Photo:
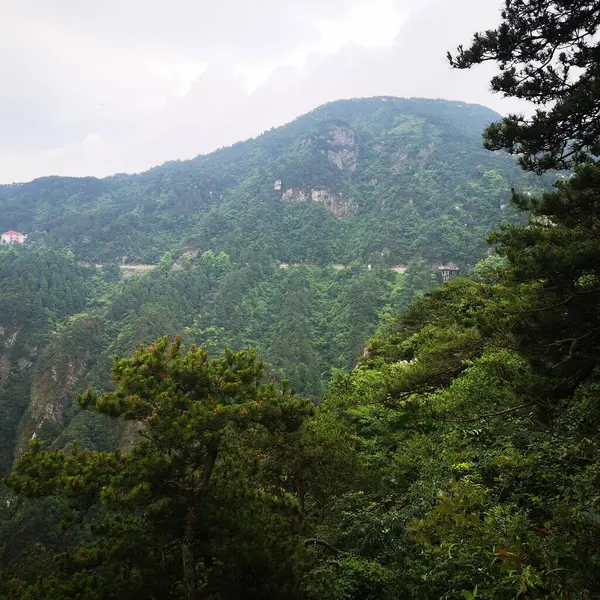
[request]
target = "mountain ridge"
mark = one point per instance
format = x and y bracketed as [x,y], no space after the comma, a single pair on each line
[376,182]
[359,159]
[298,119]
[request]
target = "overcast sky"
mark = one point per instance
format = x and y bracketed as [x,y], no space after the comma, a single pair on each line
[94,87]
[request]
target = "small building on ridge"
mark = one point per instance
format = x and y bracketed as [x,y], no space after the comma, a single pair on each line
[12,237]
[449,271]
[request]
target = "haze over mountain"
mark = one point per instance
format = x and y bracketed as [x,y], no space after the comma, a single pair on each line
[357,179]
[121,87]
[353,357]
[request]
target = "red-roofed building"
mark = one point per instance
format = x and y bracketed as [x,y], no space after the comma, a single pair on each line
[12,237]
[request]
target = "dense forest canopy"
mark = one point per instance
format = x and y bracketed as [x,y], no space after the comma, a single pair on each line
[421,192]
[454,455]
[385,179]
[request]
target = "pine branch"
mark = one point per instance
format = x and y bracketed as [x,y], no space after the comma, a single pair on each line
[494,414]
[324,543]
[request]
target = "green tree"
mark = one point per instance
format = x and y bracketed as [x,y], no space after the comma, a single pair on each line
[292,352]
[547,52]
[166,261]
[190,481]
[554,281]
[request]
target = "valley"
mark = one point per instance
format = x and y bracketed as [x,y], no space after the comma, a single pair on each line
[349,359]
[235,247]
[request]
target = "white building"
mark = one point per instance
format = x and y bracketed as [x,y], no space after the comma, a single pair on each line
[12,237]
[449,271]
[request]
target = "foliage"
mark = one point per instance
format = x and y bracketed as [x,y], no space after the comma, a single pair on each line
[419,184]
[555,274]
[38,289]
[456,457]
[203,425]
[462,483]
[547,52]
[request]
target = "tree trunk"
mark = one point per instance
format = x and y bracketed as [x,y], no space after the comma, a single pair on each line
[187,549]
[209,463]
[187,546]
[300,492]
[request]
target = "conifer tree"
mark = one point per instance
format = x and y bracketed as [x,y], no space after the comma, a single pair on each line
[548,53]
[202,424]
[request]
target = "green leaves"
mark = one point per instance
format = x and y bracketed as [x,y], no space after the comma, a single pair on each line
[462,484]
[193,472]
[547,54]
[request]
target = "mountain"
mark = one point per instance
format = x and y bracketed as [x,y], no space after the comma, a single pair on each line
[352,180]
[365,184]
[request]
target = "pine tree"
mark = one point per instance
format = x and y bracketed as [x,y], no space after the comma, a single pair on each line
[554,281]
[549,54]
[191,480]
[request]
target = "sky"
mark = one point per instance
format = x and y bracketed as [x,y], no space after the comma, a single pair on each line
[106,86]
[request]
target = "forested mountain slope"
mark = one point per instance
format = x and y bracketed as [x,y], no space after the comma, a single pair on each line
[305,322]
[377,182]
[383,178]
[457,457]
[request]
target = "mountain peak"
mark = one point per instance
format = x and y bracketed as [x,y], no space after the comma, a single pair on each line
[355,179]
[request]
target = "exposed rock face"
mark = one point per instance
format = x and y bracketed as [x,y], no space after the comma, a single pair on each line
[338,206]
[24,364]
[277,185]
[343,152]
[8,337]
[4,369]
[343,159]
[342,136]
[399,268]
[190,251]
[60,372]
[52,392]
[425,153]
[293,195]
[11,339]
[404,159]
[319,196]
[401,162]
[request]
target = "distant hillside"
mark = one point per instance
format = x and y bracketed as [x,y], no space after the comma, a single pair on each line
[362,183]
[369,179]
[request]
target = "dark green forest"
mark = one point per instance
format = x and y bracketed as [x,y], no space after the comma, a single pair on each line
[221,427]
[365,184]
[371,180]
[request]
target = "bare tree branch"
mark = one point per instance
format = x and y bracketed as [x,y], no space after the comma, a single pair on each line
[324,543]
[494,414]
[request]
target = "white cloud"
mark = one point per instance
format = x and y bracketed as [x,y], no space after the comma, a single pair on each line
[122,85]
[371,25]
